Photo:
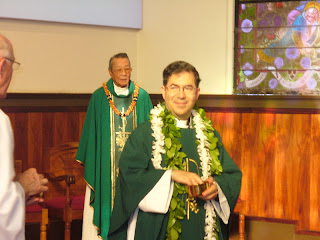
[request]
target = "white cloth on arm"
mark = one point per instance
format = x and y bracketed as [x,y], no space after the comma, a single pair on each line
[89,231]
[156,201]
[222,207]
[159,198]
[12,195]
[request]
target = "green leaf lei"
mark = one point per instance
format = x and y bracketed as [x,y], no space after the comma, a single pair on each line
[174,160]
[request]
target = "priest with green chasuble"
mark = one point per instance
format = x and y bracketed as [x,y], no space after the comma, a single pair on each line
[114,111]
[176,180]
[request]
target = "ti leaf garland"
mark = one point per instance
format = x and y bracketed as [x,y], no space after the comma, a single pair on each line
[161,117]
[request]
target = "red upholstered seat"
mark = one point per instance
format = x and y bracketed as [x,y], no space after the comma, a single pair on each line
[77,202]
[34,208]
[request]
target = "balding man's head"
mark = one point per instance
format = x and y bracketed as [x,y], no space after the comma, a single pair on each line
[5,48]
[6,61]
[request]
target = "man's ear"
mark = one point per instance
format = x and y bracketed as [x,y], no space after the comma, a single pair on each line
[110,71]
[163,92]
[198,93]
[2,65]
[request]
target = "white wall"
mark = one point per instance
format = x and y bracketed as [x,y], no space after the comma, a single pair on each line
[66,58]
[199,32]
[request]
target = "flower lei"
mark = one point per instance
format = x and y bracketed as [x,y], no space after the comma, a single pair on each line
[132,105]
[166,135]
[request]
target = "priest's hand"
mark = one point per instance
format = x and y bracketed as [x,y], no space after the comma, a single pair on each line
[33,184]
[186,178]
[212,192]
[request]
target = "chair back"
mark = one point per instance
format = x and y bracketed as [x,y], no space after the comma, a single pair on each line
[60,160]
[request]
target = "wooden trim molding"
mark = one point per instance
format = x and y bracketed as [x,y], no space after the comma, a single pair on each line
[255,103]
[44,102]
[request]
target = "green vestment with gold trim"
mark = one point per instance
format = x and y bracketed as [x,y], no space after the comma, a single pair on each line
[103,136]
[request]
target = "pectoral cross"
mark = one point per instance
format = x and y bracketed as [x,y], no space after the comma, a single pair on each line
[122,135]
[194,191]
[191,201]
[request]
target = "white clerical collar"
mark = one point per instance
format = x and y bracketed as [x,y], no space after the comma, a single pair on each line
[121,91]
[183,123]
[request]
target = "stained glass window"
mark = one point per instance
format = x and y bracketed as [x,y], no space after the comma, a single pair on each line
[277,47]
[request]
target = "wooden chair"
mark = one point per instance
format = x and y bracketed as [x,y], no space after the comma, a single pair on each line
[35,213]
[239,209]
[65,197]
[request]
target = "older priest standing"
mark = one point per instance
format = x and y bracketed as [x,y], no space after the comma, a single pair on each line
[176,179]
[114,111]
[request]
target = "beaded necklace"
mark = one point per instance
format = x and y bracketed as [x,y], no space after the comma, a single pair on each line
[132,105]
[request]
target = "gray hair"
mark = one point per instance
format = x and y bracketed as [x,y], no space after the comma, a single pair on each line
[118,55]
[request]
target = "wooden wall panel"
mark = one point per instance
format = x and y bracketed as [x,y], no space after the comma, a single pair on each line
[82,116]
[257,162]
[227,124]
[61,128]
[35,143]
[292,165]
[314,210]
[36,131]
[279,156]
[20,129]
[48,131]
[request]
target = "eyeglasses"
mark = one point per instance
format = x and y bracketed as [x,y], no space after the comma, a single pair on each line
[174,89]
[120,70]
[15,65]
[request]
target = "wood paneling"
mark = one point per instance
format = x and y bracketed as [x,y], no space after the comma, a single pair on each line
[279,156]
[314,209]
[275,146]
[257,134]
[36,131]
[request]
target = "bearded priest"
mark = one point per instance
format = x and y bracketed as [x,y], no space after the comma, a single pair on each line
[176,180]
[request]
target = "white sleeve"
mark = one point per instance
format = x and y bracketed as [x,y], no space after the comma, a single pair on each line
[159,198]
[222,207]
[157,201]
[12,196]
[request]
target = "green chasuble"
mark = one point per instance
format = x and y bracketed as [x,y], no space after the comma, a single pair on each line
[102,140]
[138,176]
